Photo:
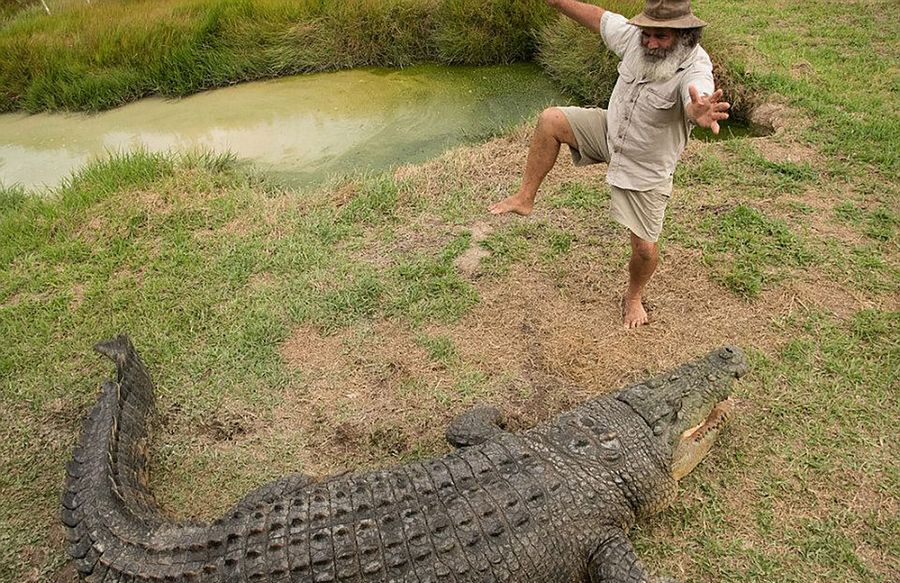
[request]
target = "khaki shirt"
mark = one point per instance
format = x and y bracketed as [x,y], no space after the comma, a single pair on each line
[647,125]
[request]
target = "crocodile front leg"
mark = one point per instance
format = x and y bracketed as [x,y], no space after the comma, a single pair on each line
[475,426]
[614,561]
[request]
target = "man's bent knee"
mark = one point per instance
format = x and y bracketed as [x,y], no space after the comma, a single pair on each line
[554,123]
[643,249]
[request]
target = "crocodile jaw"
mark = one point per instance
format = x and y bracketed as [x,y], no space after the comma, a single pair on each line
[695,443]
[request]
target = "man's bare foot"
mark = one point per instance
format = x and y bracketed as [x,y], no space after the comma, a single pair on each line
[634,313]
[513,204]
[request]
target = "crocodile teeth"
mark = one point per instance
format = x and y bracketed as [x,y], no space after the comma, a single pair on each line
[716,419]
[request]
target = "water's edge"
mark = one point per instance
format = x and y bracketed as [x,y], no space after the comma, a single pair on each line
[301,128]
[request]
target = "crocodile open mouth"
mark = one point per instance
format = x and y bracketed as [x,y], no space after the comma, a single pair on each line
[695,442]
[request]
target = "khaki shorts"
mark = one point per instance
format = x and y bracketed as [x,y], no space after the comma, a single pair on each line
[641,211]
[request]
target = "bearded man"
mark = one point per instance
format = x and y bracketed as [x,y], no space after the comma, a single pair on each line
[665,87]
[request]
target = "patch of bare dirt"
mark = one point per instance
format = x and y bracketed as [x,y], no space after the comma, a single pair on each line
[779,149]
[538,331]
[365,395]
[231,421]
[469,263]
[802,70]
[92,230]
[12,301]
[777,116]
[238,227]
[77,296]
[307,350]
[344,193]
[261,280]
[154,202]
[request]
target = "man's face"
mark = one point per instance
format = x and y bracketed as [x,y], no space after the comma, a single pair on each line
[658,42]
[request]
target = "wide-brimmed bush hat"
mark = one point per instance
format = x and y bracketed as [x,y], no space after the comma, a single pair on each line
[667,14]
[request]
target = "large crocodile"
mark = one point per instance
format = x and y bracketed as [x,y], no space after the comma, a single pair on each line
[550,504]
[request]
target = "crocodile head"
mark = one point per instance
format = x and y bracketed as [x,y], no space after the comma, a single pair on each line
[687,409]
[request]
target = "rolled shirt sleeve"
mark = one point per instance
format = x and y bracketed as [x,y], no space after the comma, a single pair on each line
[699,74]
[616,32]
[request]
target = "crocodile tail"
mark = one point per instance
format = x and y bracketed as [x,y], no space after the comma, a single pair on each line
[107,507]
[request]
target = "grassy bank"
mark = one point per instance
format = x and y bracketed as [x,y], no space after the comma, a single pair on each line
[90,56]
[341,328]
[94,56]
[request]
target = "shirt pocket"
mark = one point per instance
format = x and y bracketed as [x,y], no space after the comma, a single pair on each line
[658,109]
[658,100]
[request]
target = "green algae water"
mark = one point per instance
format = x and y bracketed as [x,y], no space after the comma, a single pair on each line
[302,129]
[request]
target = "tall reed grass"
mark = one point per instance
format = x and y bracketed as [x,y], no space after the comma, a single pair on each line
[103,53]
[99,55]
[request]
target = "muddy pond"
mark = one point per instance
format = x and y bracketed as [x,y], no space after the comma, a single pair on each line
[301,129]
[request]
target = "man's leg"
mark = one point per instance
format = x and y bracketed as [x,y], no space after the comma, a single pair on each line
[644,256]
[552,131]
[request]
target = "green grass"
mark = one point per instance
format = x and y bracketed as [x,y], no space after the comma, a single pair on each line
[430,288]
[440,348]
[578,196]
[748,251]
[832,60]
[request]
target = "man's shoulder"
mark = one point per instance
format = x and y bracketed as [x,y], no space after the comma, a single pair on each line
[698,64]
[701,60]
[616,31]
[611,18]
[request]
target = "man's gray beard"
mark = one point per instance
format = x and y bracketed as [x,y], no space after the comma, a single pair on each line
[656,69]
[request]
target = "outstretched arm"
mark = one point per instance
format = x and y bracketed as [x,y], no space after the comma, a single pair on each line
[706,110]
[587,15]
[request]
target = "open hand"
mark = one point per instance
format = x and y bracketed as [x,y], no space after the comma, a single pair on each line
[707,110]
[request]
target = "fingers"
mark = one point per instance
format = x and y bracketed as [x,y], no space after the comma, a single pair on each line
[712,100]
[695,95]
[714,126]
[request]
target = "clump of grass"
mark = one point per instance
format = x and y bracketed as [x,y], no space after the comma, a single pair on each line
[430,288]
[343,35]
[488,31]
[879,224]
[751,168]
[10,7]
[579,196]
[27,225]
[578,61]
[360,297]
[12,197]
[507,247]
[882,224]
[747,250]
[559,243]
[375,202]
[848,212]
[707,170]
[864,266]
[440,349]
